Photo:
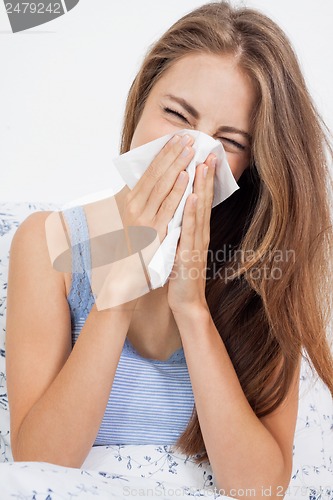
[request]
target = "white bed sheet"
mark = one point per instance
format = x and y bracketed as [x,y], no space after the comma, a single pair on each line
[123,471]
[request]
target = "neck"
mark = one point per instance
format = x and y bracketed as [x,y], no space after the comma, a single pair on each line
[153,323]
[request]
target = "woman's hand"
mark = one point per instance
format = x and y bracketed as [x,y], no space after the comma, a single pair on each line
[154,199]
[186,286]
[150,204]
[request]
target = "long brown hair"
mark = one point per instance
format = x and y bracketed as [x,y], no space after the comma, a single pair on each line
[270,255]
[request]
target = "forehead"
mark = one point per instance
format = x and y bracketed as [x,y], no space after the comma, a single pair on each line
[213,84]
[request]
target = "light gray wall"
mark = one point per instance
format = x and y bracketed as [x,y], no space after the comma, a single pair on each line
[63,86]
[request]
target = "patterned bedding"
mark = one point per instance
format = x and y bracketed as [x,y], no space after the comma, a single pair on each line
[149,470]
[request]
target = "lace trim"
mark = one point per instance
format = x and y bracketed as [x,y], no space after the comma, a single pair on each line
[177,357]
[80,297]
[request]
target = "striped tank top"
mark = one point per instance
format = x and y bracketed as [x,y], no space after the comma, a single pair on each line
[151,401]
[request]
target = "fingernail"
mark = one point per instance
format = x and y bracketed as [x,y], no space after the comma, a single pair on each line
[214,162]
[205,170]
[175,139]
[181,177]
[185,140]
[185,152]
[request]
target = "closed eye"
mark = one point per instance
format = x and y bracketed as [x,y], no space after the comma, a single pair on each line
[230,141]
[173,112]
[234,143]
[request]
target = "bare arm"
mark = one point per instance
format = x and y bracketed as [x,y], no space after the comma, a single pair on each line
[57,396]
[246,453]
[54,416]
[250,456]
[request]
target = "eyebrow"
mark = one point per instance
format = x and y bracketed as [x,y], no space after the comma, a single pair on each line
[192,111]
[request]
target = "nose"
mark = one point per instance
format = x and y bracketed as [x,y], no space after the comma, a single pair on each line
[205,128]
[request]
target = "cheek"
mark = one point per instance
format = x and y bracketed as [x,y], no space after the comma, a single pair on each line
[142,134]
[153,126]
[149,128]
[237,163]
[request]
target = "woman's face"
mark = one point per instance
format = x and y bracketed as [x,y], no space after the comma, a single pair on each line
[217,99]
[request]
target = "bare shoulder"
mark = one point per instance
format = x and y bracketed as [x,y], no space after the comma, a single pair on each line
[31,233]
[31,250]
[32,280]
[34,222]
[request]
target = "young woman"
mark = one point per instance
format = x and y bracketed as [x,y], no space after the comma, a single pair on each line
[209,363]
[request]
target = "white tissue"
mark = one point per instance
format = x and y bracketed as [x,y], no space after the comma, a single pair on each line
[131,166]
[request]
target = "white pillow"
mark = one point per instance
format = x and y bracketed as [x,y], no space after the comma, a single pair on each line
[313,444]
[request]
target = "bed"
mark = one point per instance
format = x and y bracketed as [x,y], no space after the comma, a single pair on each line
[156,471]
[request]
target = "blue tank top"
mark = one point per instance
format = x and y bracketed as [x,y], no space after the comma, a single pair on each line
[151,401]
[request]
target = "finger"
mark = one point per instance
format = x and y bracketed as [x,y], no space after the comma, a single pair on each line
[199,188]
[210,179]
[171,202]
[165,185]
[186,242]
[162,162]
